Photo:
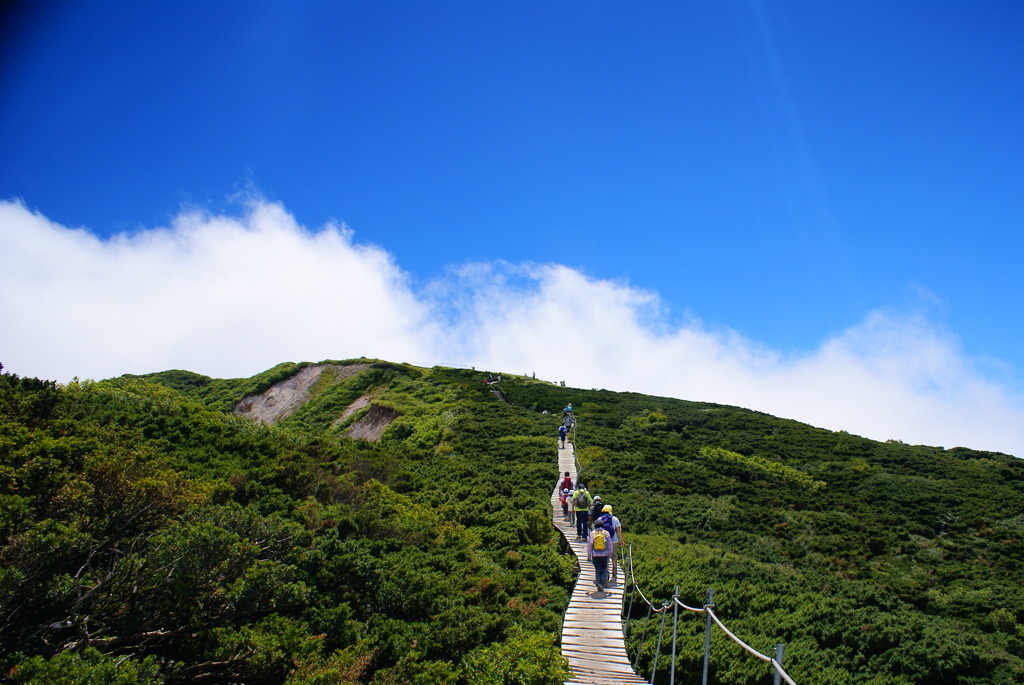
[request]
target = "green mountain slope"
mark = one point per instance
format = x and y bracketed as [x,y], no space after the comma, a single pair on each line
[150,537]
[149,534]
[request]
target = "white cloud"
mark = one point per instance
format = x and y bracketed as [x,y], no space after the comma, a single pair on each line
[232,296]
[217,295]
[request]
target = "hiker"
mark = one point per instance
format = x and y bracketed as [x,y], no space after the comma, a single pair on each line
[596,509]
[564,499]
[599,551]
[567,481]
[582,502]
[609,522]
[562,430]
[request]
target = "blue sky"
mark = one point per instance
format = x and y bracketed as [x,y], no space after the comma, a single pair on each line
[767,180]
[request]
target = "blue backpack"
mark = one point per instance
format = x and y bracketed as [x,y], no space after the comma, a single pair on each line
[605,521]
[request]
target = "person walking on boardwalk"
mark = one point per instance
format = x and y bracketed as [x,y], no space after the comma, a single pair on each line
[567,487]
[582,501]
[562,431]
[611,523]
[596,509]
[564,499]
[599,551]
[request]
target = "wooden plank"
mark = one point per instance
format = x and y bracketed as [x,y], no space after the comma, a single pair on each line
[582,638]
[607,607]
[584,678]
[593,671]
[591,617]
[608,613]
[607,662]
[578,625]
[600,647]
[590,678]
[577,630]
[614,663]
[609,599]
[598,621]
[612,655]
[597,666]
[580,633]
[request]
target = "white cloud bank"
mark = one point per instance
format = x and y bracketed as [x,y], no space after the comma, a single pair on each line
[233,296]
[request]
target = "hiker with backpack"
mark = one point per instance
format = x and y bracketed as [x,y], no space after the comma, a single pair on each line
[611,524]
[562,431]
[596,509]
[599,551]
[582,501]
[566,481]
[564,499]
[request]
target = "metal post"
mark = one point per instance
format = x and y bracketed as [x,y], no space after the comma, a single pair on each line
[778,660]
[629,611]
[643,636]
[675,623]
[657,650]
[707,640]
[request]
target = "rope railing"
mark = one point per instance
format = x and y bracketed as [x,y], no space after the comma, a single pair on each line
[763,657]
[694,609]
[712,618]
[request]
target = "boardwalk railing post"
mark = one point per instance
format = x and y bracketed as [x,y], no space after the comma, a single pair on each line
[675,623]
[778,660]
[643,636]
[661,631]
[707,640]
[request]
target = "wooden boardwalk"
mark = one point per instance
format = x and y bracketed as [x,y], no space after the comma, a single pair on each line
[592,637]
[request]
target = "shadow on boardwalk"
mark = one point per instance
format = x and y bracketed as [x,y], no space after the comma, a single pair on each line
[592,637]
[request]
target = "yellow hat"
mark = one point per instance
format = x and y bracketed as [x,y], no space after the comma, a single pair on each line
[607,509]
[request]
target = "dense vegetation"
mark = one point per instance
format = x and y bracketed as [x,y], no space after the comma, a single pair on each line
[147,535]
[872,562]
